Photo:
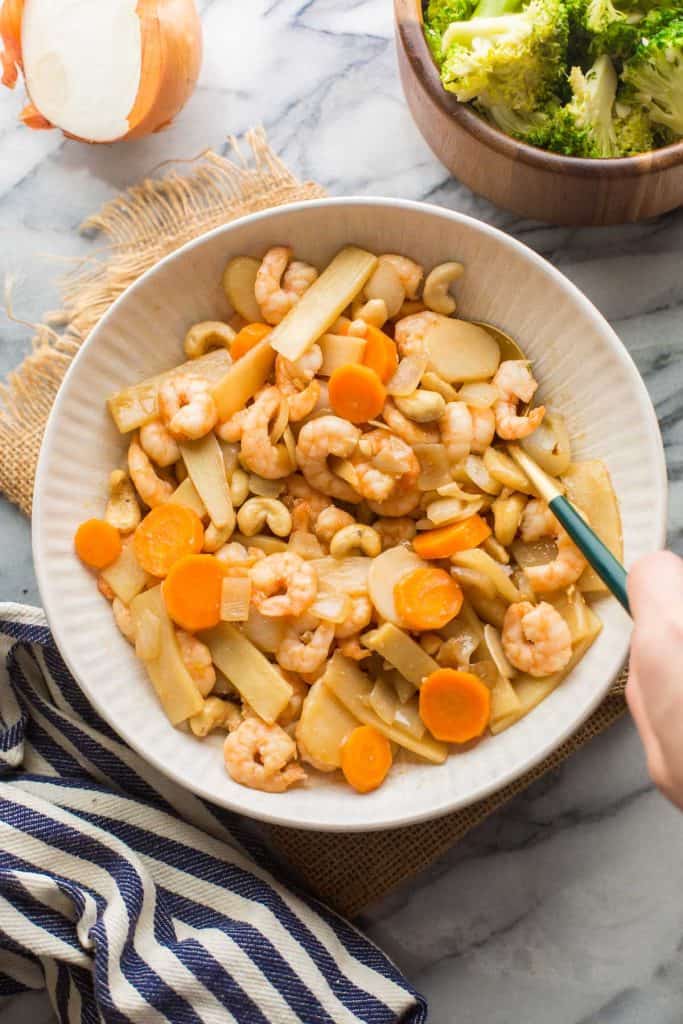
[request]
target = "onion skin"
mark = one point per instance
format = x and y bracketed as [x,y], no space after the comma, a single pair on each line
[171,61]
[10,32]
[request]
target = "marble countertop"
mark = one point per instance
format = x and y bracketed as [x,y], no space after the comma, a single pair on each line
[565,906]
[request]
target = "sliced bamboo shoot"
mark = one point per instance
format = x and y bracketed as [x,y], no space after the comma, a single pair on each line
[174,685]
[383,700]
[323,727]
[589,488]
[234,389]
[408,717]
[323,303]
[478,559]
[263,541]
[126,577]
[204,462]
[352,687]
[137,405]
[401,651]
[504,701]
[257,680]
[186,494]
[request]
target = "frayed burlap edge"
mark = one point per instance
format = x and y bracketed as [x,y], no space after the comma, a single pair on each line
[140,227]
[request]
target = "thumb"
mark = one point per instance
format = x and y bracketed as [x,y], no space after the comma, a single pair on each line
[655,586]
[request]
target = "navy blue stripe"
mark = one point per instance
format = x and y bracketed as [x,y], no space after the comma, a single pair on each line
[100,937]
[230,876]
[220,982]
[25,633]
[148,982]
[61,992]
[73,694]
[11,987]
[38,912]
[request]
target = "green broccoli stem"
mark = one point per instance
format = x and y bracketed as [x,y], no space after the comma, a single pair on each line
[494,8]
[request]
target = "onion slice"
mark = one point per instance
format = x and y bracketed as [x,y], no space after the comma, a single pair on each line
[105,70]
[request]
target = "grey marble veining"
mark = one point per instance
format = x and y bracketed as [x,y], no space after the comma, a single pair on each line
[566,906]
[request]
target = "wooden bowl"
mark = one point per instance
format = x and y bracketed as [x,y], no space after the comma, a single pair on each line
[529,181]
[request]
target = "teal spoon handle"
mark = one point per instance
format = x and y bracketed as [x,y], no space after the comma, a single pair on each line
[608,568]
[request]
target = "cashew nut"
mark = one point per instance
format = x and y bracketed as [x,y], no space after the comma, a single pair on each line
[215,538]
[436,295]
[374,311]
[215,714]
[355,536]
[386,284]
[263,488]
[239,487]
[207,335]
[259,512]
[123,510]
[433,382]
[330,521]
[422,406]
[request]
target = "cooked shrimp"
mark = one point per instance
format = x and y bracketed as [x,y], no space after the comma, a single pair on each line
[357,620]
[516,383]
[292,712]
[187,408]
[279,287]
[404,501]
[258,453]
[536,639]
[395,531]
[457,431]
[104,589]
[350,647]
[231,430]
[234,555]
[565,569]
[318,440]
[330,521]
[151,488]
[410,333]
[284,584]
[298,489]
[407,430]
[262,757]
[123,619]
[295,380]
[384,464]
[483,428]
[197,660]
[409,272]
[157,442]
[307,651]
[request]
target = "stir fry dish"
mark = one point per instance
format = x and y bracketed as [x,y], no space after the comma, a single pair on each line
[319,545]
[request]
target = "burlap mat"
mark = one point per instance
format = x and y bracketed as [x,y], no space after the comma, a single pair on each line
[140,227]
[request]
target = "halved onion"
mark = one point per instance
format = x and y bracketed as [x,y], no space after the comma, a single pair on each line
[331,607]
[407,376]
[105,70]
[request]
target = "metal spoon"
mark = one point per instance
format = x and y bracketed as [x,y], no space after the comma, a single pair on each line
[608,568]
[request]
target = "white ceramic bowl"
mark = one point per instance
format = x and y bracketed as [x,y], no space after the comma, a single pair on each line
[584,370]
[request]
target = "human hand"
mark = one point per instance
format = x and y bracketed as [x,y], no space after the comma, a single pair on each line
[655,685]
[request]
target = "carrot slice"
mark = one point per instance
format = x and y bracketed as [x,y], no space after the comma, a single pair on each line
[167,533]
[380,353]
[365,758]
[427,598]
[455,706]
[356,393]
[247,338]
[97,543]
[192,592]
[448,540]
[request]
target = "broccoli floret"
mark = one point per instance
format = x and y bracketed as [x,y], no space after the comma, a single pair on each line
[633,130]
[532,127]
[585,126]
[653,77]
[513,60]
[438,16]
[610,30]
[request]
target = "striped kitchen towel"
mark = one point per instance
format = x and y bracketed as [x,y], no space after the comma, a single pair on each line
[132,900]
